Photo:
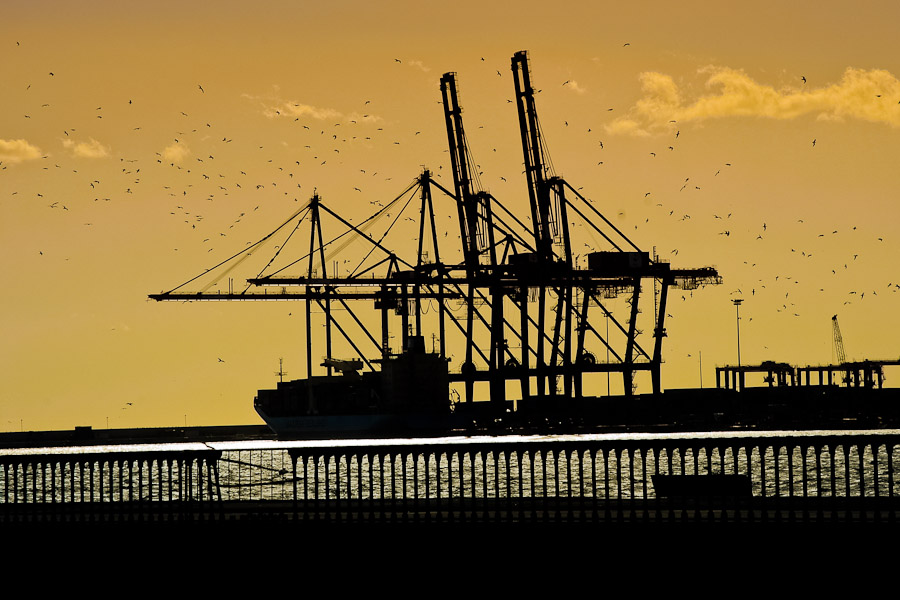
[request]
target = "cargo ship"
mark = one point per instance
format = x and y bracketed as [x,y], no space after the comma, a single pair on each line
[411,396]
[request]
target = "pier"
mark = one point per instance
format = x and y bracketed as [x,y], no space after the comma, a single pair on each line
[746,477]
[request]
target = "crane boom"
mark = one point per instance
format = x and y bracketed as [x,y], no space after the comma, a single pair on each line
[535,169]
[838,341]
[475,215]
[477,234]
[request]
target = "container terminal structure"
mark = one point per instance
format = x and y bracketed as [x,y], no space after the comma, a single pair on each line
[521,306]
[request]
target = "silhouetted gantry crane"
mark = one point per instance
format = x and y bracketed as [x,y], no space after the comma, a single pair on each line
[838,341]
[528,306]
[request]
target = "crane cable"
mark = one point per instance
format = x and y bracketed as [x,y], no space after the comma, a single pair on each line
[248,251]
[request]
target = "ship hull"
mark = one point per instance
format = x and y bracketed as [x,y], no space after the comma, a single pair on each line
[328,426]
[771,408]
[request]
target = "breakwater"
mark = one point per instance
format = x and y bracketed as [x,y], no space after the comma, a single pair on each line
[88,436]
[847,476]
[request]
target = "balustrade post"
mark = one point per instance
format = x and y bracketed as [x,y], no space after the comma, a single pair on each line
[594,490]
[294,504]
[450,502]
[889,449]
[846,451]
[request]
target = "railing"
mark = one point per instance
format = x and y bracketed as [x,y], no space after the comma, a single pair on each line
[592,478]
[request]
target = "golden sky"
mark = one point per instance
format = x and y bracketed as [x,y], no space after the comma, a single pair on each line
[142,143]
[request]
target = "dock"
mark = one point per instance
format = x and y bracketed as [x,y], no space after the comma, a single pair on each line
[88,436]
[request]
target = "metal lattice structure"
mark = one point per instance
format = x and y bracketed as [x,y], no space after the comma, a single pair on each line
[528,308]
[838,341]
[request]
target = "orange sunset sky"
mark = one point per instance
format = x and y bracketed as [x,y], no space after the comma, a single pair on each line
[143,143]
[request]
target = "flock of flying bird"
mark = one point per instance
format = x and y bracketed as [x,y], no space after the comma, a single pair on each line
[190,186]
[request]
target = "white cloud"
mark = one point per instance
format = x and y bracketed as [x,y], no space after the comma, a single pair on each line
[176,152]
[15,151]
[572,85]
[870,95]
[295,110]
[274,107]
[626,127]
[91,149]
[362,118]
[418,64]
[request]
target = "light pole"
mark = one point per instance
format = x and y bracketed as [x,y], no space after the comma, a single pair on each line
[737,308]
[607,353]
